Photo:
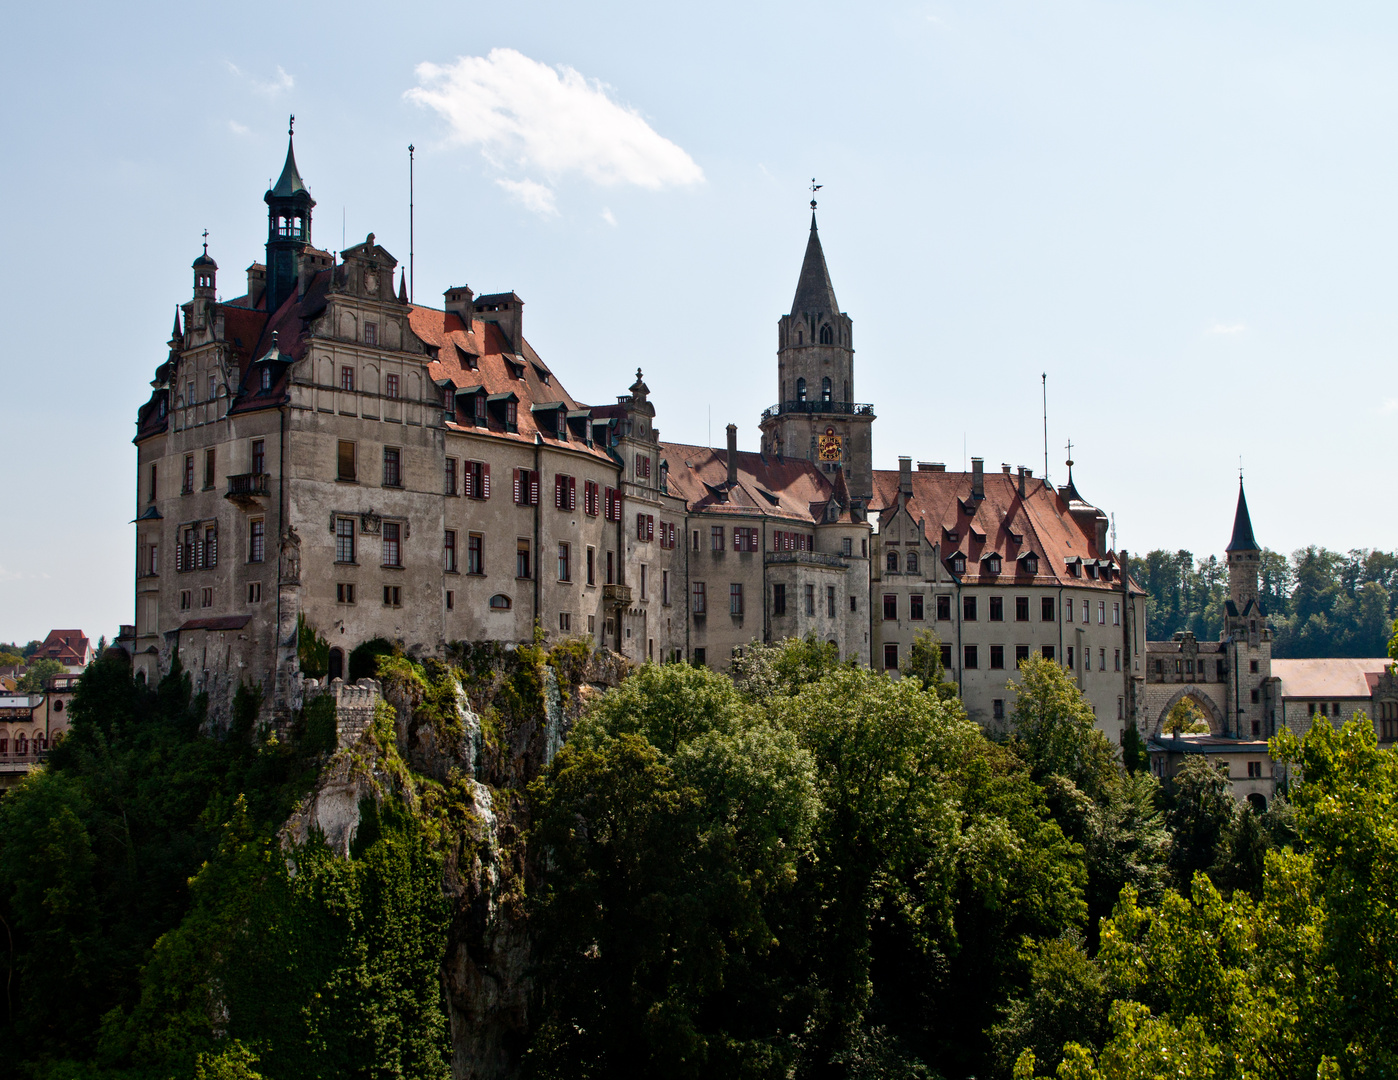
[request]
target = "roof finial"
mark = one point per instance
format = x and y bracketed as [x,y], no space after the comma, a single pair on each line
[1069,462]
[1240,470]
[206,241]
[814,188]
[291,126]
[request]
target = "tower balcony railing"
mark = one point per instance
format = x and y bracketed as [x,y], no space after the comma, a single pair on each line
[817,407]
[248,485]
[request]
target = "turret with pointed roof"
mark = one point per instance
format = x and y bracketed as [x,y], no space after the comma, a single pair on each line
[289,206]
[1243,554]
[816,416]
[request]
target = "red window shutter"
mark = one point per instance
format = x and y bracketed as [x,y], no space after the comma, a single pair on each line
[517,487]
[485,480]
[179,555]
[533,487]
[572,493]
[640,526]
[650,527]
[558,492]
[468,480]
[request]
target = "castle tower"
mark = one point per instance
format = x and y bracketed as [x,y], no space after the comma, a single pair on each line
[288,228]
[816,416]
[1243,554]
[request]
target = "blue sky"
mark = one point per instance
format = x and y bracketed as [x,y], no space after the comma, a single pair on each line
[1182,213]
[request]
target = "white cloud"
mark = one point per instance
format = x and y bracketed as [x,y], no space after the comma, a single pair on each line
[268,88]
[237,128]
[1227,328]
[608,217]
[1390,405]
[525,114]
[534,197]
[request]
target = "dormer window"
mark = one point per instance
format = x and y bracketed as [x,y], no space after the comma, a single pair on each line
[958,563]
[992,564]
[266,378]
[561,424]
[480,409]
[511,416]
[1030,564]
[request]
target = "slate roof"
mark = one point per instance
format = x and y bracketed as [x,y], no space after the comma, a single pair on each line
[1242,526]
[815,294]
[767,486]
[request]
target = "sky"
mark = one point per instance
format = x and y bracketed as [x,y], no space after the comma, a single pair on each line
[1182,214]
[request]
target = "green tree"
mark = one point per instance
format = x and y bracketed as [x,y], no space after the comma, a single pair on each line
[1185,718]
[924,663]
[36,677]
[1200,815]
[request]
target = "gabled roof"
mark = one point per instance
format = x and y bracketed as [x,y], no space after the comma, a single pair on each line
[1242,525]
[1330,677]
[1041,520]
[767,486]
[814,293]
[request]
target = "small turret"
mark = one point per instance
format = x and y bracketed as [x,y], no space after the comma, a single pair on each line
[288,227]
[1243,557]
[205,273]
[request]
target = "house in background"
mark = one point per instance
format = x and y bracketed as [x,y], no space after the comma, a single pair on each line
[70,648]
[1337,688]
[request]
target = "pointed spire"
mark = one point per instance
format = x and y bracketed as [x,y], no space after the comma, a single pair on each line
[814,293]
[290,182]
[176,333]
[402,287]
[1242,525]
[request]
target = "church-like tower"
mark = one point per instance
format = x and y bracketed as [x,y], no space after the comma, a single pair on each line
[816,416]
[1243,555]
[288,228]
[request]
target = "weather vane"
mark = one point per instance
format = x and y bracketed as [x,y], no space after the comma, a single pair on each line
[206,237]
[291,129]
[814,188]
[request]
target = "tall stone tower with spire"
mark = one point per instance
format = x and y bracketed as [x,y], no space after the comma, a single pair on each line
[1243,555]
[816,416]
[288,227]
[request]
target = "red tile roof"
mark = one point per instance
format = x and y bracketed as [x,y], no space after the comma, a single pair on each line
[1041,520]
[65,646]
[767,486]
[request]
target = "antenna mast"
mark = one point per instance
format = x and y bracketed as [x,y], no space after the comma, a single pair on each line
[411,275]
[1044,376]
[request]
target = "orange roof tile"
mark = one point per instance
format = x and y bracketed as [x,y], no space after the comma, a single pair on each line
[767,486]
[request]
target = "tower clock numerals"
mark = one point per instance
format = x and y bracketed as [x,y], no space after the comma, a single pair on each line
[830,446]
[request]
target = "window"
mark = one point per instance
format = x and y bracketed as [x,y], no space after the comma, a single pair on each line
[716,538]
[968,608]
[392,472]
[971,657]
[997,708]
[449,477]
[590,498]
[667,535]
[565,622]
[565,492]
[1021,655]
[810,599]
[1252,666]
[735,598]
[665,587]
[946,657]
[1254,770]
[1101,613]
[206,597]
[745,540]
[208,469]
[800,389]
[475,553]
[1047,652]
[992,564]
[944,609]
[695,545]
[958,564]
[592,566]
[1101,659]
[344,593]
[779,599]
[392,596]
[645,527]
[451,600]
[480,413]
[499,602]
[1116,659]
[188,473]
[522,558]
[910,562]
[1189,666]
[611,579]
[266,378]
[526,487]
[154,489]
[997,657]
[1179,666]
[1159,667]
[475,480]
[825,382]
[347,376]
[997,609]
[449,551]
[392,552]
[891,562]
[1116,614]
[1068,610]
[345,461]
[184,600]
[210,545]
[390,386]
[1021,609]
[1046,608]
[613,505]
[511,416]
[699,658]
[890,657]
[642,466]
[257,540]
[830,601]
[854,603]
[890,606]
[371,333]
[700,605]
[254,592]
[915,607]
[1256,699]
[344,540]
[565,562]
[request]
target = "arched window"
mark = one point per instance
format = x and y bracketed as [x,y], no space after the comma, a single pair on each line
[893,562]
[58,705]
[910,562]
[337,663]
[500,602]
[825,389]
[827,336]
[800,389]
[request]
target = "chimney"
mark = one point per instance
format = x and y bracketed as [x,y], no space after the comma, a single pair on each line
[507,311]
[1021,481]
[257,283]
[732,454]
[905,475]
[977,478]
[458,302]
[1004,468]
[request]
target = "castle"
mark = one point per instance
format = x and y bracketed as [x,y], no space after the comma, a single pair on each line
[320,454]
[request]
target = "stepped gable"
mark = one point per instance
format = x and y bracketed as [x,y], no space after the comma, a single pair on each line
[1041,520]
[767,486]
[453,341]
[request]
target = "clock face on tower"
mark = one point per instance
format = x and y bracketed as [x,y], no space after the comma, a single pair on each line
[830,446]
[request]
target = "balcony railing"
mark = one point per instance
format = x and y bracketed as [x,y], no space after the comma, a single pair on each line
[248,485]
[820,408]
[806,558]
